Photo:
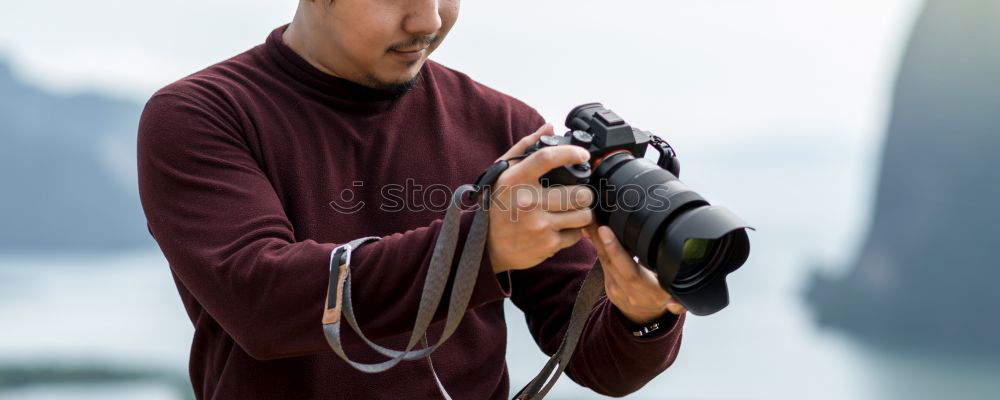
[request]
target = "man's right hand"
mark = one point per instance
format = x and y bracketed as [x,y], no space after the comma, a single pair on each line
[530,223]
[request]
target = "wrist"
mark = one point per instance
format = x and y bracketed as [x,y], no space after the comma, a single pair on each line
[648,329]
[498,266]
[640,318]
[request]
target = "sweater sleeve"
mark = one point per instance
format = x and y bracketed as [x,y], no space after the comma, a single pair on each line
[609,359]
[226,236]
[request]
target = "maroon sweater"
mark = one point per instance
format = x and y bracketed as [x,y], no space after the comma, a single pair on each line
[243,169]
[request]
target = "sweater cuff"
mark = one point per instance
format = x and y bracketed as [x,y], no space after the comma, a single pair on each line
[669,325]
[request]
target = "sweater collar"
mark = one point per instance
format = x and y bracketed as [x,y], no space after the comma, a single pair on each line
[301,70]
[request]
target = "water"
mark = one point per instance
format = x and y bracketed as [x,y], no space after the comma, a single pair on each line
[132,391]
[114,308]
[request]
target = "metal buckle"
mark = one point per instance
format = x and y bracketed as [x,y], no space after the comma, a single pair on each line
[348,248]
[336,251]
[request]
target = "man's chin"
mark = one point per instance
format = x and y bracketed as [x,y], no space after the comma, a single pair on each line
[397,86]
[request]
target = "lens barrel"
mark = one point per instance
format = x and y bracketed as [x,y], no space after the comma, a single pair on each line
[657,218]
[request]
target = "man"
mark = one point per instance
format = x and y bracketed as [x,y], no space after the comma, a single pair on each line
[243,170]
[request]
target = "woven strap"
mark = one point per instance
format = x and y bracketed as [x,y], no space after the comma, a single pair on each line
[590,291]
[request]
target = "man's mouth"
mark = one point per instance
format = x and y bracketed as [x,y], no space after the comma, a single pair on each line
[413,50]
[409,55]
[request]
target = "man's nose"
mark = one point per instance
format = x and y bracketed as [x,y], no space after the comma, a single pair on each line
[424,18]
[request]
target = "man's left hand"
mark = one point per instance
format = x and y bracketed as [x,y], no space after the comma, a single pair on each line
[630,287]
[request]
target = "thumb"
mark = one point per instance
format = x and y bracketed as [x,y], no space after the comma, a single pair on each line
[522,145]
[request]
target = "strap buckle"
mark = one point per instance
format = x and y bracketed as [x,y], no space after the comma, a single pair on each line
[490,176]
[345,249]
[340,268]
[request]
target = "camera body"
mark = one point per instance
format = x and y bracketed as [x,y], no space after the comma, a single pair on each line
[602,133]
[689,244]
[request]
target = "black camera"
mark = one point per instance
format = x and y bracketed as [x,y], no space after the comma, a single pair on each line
[689,244]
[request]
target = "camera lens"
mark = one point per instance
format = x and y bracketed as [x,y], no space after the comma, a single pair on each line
[695,253]
[690,244]
[700,259]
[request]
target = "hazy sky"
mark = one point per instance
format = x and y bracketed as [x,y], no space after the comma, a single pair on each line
[715,66]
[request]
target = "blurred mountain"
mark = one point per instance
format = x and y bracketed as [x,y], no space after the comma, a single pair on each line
[68,168]
[926,277]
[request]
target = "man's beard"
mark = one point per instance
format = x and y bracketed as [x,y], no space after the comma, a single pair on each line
[397,89]
[394,89]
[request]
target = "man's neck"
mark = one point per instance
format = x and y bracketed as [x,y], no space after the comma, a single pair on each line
[297,38]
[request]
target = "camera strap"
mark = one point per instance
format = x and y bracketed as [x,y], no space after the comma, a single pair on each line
[339,302]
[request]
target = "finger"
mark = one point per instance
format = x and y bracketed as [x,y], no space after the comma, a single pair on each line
[635,286]
[651,284]
[622,262]
[676,308]
[529,170]
[522,145]
[568,238]
[570,219]
[590,232]
[611,272]
[567,198]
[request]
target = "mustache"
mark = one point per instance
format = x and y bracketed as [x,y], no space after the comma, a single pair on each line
[415,42]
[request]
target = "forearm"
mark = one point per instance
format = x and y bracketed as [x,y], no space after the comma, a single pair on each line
[614,362]
[269,294]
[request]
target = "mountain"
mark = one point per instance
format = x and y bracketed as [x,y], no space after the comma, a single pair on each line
[68,170]
[926,276]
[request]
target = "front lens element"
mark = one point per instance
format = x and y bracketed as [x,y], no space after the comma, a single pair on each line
[699,259]
[695,251]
